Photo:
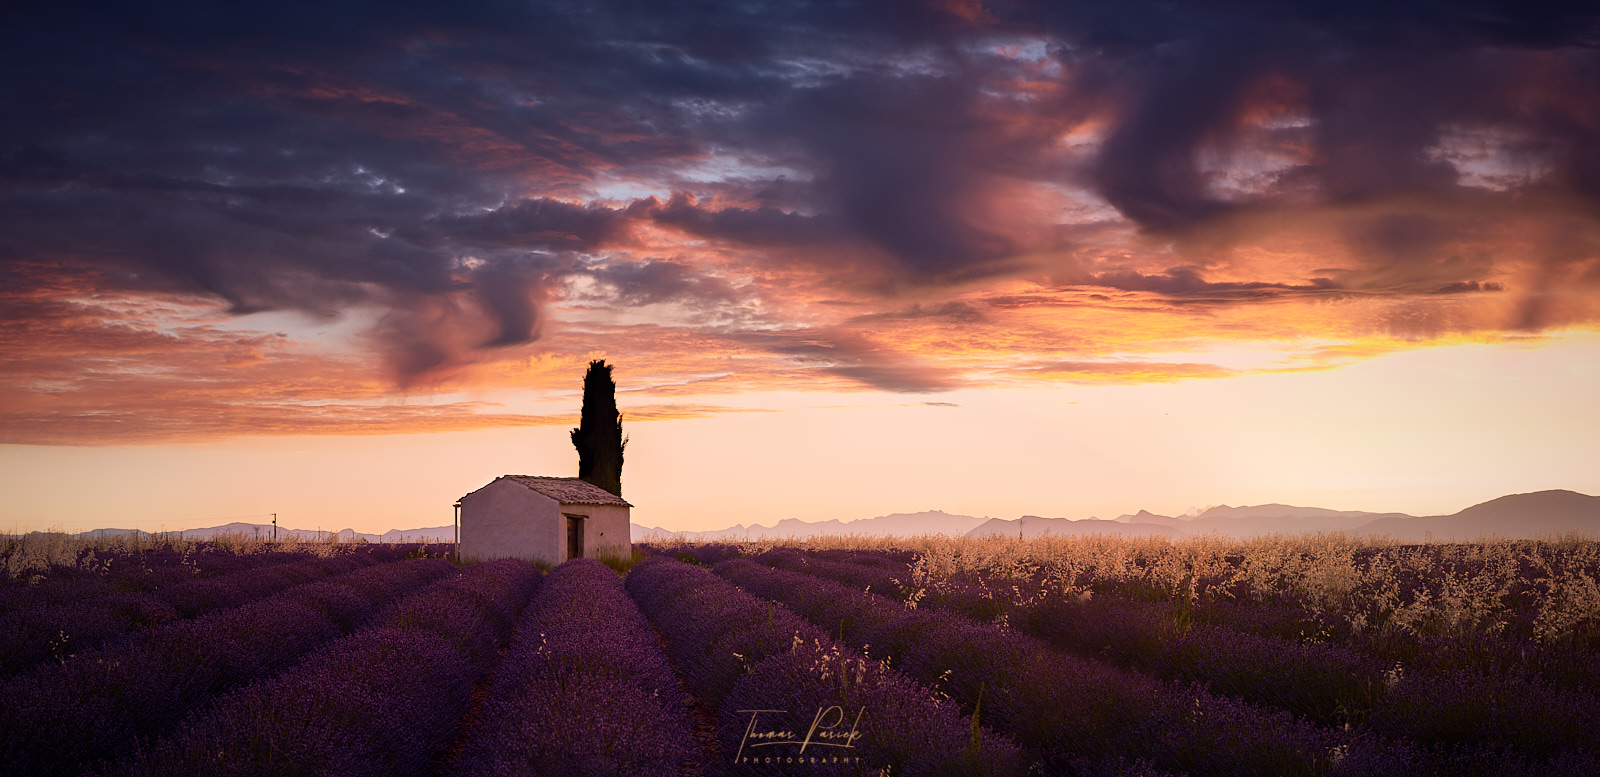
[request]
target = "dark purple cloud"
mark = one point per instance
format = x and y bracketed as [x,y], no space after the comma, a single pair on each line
[958,312]
[441,162]
[1188,283]
[657,280]
[761,226]
[856,358]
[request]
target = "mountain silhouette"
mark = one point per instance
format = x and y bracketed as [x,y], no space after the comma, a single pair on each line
[1514,516]
[1517,516]
[1032,526]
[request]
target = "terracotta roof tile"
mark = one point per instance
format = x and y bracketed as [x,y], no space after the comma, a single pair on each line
[569,491]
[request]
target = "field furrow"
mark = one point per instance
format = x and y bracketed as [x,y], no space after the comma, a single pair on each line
[1074,713]
[1327,684]
[99,705]
[584,689]
[750,658]
[382,701]
[32,635]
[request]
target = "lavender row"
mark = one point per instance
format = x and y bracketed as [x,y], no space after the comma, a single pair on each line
[197,597]
[384,701]
[1569,663]
[1443,607]
[1452,716]
[863,571]
[704,554]
[101,703]
[1071,711]
[159,571]
[1328,684]
[767,671]
[716,631]
[1514,712]
[30,635]
[1427,645]
[1385,614]
[1372,757]
[1502,703]
[583,689]
[98,573]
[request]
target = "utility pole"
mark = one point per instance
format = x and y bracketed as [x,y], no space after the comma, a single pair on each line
[458,532]
[274,528]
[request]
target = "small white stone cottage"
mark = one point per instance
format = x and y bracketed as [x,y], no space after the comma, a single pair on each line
[543,519]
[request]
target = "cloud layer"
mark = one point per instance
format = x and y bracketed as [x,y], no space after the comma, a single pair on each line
[908,197]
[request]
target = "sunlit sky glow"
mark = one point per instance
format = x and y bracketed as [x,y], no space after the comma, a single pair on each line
[347,263]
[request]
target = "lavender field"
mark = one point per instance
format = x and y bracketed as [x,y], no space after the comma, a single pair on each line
[1317,655]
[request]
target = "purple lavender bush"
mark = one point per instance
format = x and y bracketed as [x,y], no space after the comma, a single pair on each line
[1067,709]
[738,650]
[125,570]
[849,619]
[1516,710]
[1328,684]
[584,689]
[100,704]
[198,597]
[716,632]
[1572,662]
[31,635]
[54,632]
[374,703]
[713,552]
[111,573]
[703,554]
[486,598]
[380,702]
[1377,757]
[830,697]
[861,571]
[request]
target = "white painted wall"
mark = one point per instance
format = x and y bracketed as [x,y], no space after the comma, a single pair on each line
[506,519]
[605,530]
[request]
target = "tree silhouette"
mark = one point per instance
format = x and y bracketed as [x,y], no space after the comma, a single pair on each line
[598,437]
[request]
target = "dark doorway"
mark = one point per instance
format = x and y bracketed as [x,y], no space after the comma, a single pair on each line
[574,536]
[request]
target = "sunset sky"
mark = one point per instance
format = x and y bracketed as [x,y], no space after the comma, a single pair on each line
[346,261]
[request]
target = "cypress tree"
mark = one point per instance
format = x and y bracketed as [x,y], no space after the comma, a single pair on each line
[598,437]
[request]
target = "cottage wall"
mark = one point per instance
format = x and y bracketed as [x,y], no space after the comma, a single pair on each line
[506,519]
[606,530]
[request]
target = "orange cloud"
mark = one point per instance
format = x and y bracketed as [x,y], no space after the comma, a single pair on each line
[88,365]
[945,196]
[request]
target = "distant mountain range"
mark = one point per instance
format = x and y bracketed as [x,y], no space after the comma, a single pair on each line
[896,525]
[264,531]
[1516,516]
